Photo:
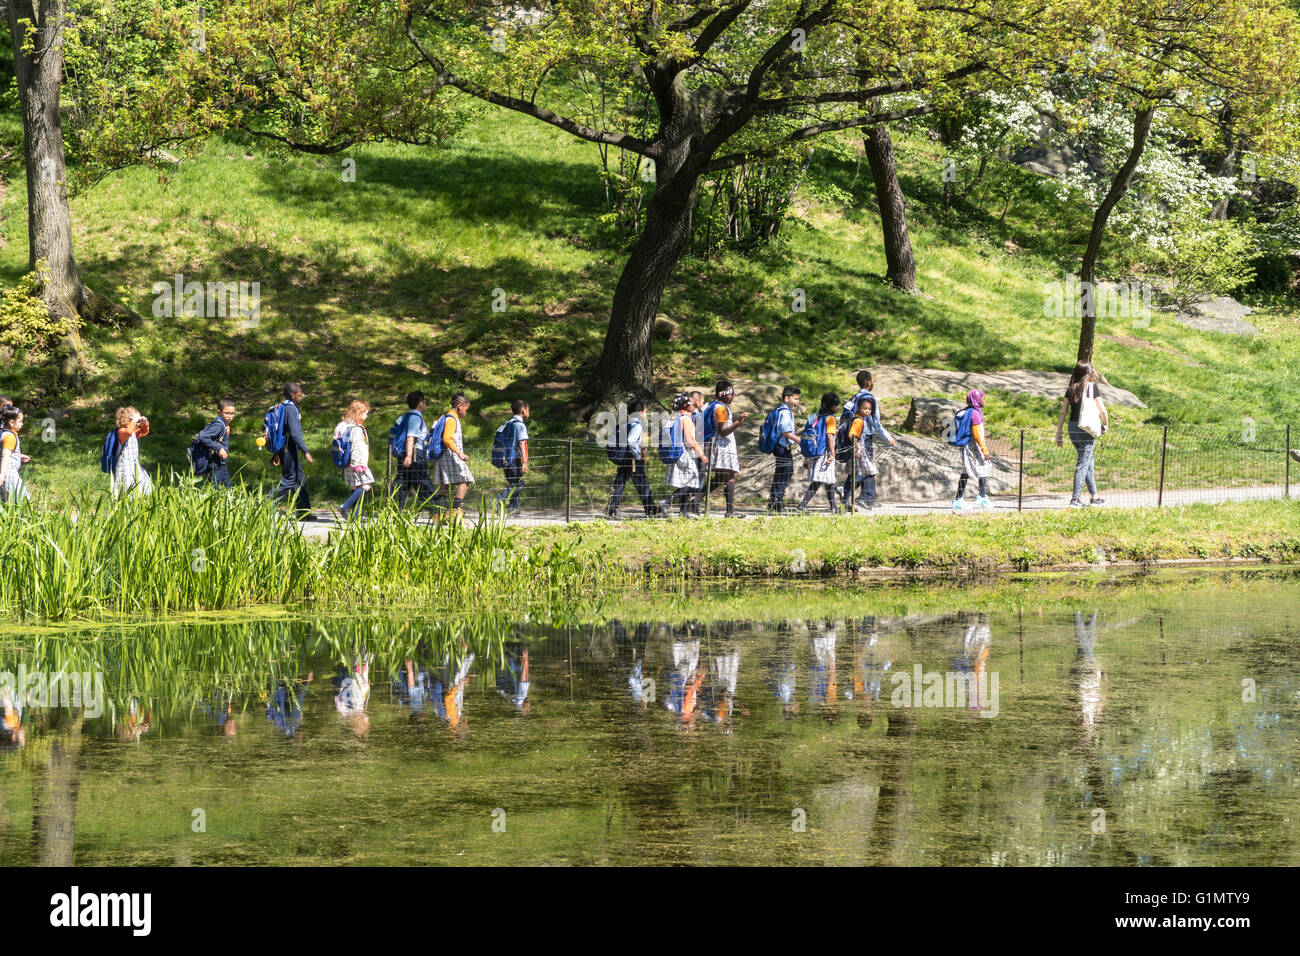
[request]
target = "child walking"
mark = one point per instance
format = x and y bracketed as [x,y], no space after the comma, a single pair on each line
[974,454]
[683,474]
[128,474]
[720,427]
[818,445]
[357,471]
[515,432]
[212,446]
[452,466]
[628,455]
[860,483]
[12,489]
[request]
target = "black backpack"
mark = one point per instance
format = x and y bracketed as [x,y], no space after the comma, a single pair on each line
[843,443]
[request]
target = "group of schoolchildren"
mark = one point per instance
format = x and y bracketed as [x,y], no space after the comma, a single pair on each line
[431,458]
[697,444]
[833,435]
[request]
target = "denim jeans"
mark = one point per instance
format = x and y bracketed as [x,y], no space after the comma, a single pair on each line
[1083,468]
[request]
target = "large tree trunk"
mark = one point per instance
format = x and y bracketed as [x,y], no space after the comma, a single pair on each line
[1088,271]
[39,23]
[899,260]
[625,365]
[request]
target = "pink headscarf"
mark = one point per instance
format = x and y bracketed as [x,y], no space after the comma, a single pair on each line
[975,399]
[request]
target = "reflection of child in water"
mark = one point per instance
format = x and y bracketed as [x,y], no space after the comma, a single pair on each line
[867,678]
[413,686]
[824,688]
[134,722]
[684,681]
[720,696]
[975,654]
[221,711]
[449,691]
[285,709]
[12,732]
[352,693]
[512,679]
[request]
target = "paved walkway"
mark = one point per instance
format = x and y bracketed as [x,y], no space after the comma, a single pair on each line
[1001,503]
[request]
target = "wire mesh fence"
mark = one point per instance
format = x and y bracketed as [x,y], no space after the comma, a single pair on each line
[1145,466]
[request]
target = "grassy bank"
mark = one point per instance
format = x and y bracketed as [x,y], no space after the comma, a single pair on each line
[830,546]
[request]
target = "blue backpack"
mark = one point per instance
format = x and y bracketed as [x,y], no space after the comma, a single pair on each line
[273,428]
[341,449]
[505,445]
[710,422]
[813,442]
[111,452]
[398,433]
[768,435]
[433,447]
[957,431]
[671,444]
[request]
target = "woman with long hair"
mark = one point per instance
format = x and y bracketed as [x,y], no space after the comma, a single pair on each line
[1082,392]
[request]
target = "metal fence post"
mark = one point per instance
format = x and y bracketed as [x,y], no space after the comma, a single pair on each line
[708,473]
[853,476]
[1164,445]
[1287,492]
[1020,475]
[568,486]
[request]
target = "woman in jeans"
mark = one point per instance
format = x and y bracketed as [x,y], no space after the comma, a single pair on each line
[1083,388]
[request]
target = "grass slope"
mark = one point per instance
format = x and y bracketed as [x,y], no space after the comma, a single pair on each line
[373,287]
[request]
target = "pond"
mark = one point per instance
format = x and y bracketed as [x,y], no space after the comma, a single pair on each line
[1110,721]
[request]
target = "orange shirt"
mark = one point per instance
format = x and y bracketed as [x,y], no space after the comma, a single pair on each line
[9,442]
[449,430]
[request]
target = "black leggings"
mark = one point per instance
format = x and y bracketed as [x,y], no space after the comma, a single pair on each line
[961,486]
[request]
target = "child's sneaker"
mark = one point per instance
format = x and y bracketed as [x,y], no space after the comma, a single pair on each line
[1093,502]
[958,504]
[983,503]
[1076,503]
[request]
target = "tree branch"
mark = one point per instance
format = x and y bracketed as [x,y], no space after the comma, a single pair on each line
[855,96]
[445,77]
[737,159]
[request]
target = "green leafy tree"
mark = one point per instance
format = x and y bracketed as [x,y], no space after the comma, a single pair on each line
[1184,59]
[780,72]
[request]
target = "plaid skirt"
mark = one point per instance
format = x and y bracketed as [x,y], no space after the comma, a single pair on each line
[450,470]
[974,464]
[683,473]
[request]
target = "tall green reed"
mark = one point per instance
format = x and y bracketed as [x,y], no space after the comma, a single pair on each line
[188,548]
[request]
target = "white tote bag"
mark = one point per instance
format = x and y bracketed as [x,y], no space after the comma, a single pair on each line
[1089,414]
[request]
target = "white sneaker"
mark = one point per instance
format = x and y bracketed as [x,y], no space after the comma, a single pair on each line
[958,504]
[983,502]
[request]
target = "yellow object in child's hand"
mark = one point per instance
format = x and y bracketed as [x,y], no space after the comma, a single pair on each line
[261,441]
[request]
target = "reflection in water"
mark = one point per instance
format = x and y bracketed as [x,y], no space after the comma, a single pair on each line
[1186,771]
[352,693]
[284,705]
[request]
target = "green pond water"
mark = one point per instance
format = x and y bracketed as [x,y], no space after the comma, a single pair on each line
[1102,722]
